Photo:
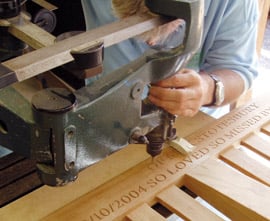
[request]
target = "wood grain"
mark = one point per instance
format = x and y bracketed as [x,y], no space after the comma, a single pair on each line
[144,213]
[257,144]
[184,205]
[32,34]
[247,164]
[236,195]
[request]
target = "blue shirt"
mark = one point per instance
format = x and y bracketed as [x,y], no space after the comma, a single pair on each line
[229,38]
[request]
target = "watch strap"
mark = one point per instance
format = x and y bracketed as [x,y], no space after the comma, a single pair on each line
[218,91]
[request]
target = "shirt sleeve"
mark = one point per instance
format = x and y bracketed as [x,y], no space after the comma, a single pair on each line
[230,41]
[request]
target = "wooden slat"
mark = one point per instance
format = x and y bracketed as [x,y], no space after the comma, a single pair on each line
[44,59]
[16,171]
[32,34]
[248,165]
[17,177]
[186,125]
[264,10]
[258,145]
[19,188]
[144,213]
[45,4]
[9,159]
[266,129]
[236,195]
[185,206]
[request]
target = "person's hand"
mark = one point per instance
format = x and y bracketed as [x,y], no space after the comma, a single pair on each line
[160,34]
[182,94]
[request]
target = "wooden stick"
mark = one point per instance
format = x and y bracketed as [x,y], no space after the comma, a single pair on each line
[32,34]
[47,58]
[45,4]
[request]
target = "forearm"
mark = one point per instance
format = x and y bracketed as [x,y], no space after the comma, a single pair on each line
[233,86]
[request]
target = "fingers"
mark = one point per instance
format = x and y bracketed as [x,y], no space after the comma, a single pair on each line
[183,78]
[180,94]
[186,110]
[187,91]
[176,101]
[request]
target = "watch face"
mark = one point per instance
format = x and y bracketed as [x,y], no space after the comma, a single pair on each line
[219,93]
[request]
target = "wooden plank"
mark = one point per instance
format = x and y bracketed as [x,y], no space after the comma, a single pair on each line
[45,4]
[32,34]
[17,177]
[239,197]
[185,206]
[246,164]
[264,10]
[18,189]
[186,125]
[91,194]
[14,172]
[44,59]
[266,129]
[10,159]
[258,145]
[144,213]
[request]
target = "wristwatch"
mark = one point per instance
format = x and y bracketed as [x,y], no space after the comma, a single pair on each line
[219,90]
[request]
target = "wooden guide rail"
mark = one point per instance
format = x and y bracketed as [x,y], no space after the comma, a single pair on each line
[57,54]
[224,170]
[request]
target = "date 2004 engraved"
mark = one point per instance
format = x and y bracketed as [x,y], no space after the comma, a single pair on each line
[127,198]
[116,204]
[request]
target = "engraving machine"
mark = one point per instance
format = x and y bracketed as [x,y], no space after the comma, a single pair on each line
[66,131]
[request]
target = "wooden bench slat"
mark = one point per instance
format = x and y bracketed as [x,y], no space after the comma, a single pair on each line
[144,213]
[185,206]
[247,164]
[258,145]
[266,129]
[10,159]
[16,171]
[19,188]
[237,196]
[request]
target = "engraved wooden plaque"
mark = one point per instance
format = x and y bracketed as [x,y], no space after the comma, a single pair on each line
[229,169]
